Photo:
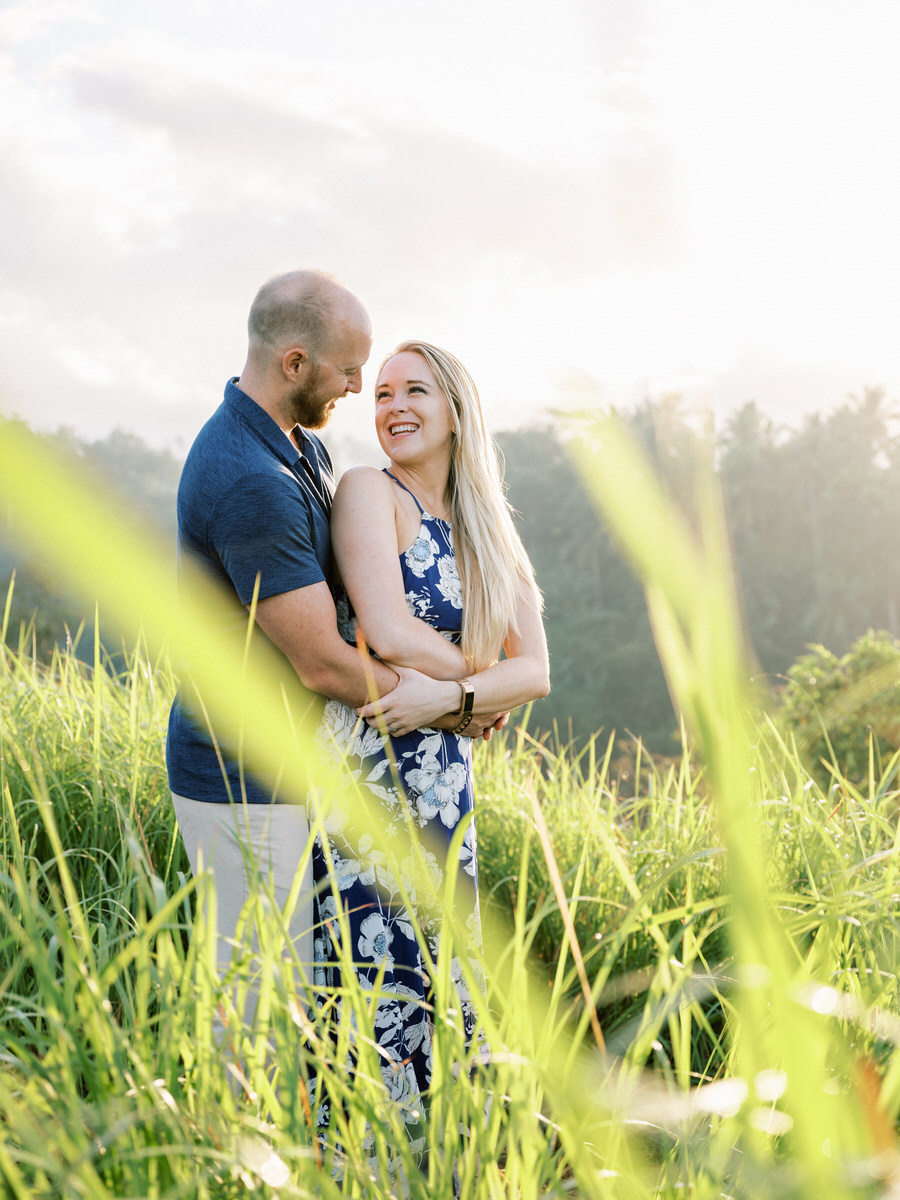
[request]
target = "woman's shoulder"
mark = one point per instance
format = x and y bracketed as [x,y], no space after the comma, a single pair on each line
[363,481]
[363,496]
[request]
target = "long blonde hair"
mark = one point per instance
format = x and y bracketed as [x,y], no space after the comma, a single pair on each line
[493,564]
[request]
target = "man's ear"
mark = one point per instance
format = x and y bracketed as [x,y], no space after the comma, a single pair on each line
[294,361]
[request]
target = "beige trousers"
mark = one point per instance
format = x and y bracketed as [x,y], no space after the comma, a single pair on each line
[245,847]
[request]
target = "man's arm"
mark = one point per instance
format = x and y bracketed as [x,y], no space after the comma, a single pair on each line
[303,625]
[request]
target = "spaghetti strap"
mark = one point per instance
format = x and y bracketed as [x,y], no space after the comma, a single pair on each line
[405,488]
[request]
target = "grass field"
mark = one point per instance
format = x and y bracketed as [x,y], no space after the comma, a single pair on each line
[112,1084]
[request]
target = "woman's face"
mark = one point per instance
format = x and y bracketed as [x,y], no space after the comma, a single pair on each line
[412,414]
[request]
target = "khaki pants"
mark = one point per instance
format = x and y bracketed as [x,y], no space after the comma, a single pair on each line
[243,846]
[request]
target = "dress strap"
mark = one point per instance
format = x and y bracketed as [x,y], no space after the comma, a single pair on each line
[405,488]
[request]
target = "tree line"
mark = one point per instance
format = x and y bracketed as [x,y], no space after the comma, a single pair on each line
[812,513]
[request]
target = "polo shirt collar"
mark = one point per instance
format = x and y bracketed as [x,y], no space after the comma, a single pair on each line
[268,430]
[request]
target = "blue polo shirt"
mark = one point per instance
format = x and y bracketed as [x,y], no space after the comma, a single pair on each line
[248,504]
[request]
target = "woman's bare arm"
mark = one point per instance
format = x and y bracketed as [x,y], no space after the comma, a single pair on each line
[364,537]
[522,676]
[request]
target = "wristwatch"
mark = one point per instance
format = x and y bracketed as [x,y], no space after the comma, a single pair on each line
[466,699]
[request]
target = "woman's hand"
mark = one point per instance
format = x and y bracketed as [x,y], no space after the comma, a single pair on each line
[416,701]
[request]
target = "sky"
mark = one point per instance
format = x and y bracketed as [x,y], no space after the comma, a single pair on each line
[590,202]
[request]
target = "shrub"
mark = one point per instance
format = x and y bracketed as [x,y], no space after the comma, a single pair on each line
[836,707]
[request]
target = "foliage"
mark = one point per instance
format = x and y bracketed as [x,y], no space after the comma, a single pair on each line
[841,711]
[809,511]
[631,854]
[43,608]
[604,667]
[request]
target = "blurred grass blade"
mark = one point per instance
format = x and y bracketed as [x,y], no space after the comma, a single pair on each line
[693,609]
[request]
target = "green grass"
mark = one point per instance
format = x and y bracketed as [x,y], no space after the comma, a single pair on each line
[111,1084]
[692,984]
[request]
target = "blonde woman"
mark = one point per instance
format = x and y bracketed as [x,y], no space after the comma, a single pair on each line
[437,578]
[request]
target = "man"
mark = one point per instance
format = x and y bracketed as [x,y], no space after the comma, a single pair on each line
[253,503]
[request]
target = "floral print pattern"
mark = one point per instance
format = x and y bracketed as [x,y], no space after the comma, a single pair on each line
[448,582]
[419,782]
[419,558]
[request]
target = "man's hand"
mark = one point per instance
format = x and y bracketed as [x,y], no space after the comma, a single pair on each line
[416,701]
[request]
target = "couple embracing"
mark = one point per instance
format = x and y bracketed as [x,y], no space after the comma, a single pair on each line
[431,571]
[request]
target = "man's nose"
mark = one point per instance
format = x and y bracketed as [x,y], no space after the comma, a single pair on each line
[354,383]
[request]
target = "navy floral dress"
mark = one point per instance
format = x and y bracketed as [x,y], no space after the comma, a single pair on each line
[421,784]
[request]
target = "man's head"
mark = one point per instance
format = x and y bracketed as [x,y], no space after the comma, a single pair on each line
[309,340]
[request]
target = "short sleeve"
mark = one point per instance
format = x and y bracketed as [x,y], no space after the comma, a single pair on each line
[265,525]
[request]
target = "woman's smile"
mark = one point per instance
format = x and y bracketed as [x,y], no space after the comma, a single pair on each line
[408,402]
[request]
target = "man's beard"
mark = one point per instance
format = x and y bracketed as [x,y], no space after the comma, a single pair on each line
[310,409]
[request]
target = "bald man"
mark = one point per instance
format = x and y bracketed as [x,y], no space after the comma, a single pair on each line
[254,500]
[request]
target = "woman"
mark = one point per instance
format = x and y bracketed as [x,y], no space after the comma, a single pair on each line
[438,579]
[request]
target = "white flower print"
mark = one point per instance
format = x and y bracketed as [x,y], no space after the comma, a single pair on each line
[449,583]
[331,729]
[388,1020]
[467,858]
[400,1081]
[421,554]
[375,939]
[322,952]
[430,744]
[334,817]
[420,1040]
[438,789]
[342,732]
[423,878]
[338,720]
[405,1003]
[365,742]
[363,867]
[418,603]
[404,927]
